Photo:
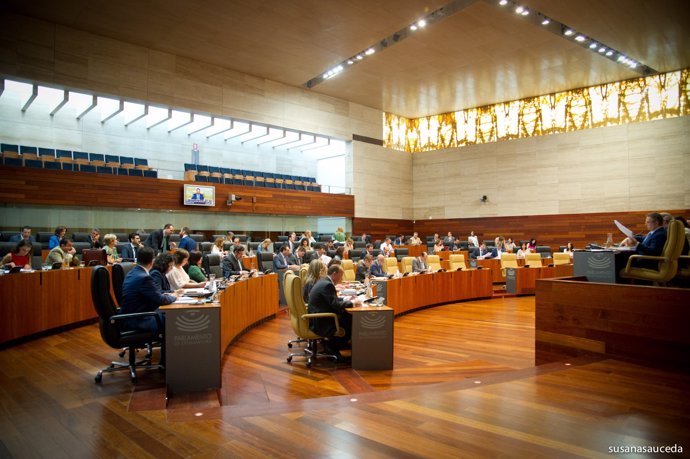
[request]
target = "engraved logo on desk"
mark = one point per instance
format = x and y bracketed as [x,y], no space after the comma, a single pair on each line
[599,261]
[193,328]
[373,320]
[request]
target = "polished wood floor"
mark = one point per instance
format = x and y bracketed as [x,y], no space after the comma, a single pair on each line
[464,385]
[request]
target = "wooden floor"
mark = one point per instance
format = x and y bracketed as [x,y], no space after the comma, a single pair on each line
[464,385]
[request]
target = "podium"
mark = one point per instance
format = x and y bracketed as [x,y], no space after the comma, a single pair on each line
[192,347]
[372,337]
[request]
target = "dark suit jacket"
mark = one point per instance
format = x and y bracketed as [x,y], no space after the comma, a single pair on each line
[155,241]
[160,280]
[140,294]
[279,262]
[18,237]
[231,265]
[128,252]
[362,272]
[294,260]
[377,270]
[418,266]
[323,298]
[187,243]
[652,244]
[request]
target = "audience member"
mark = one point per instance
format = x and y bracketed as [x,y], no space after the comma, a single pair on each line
[297,258]
[499,248]
[324,298]
[20,256]
[414,240]
[438,246]
[339,235]
[419,264]
[483,252]
[186,242]
[162,265]
[532,245]
[472,240]
[196,271]
[568,247]
[129,251]
[24,234]
[653,243]
[363,267]
[292,242]
[316,271]
[307,235]
[280,260]
[217,246]
[95,239]
[110,247]
[63,253]
[232,263]
[55,239]
[140,294]
[364,238]
[159,240]
[368,250]
[349,245]
[522,251]
[339,253]
[306,245]
[449,239]
[321,250]
[376,269]
[177,276]
[386,247]
[400,240]
[509,245]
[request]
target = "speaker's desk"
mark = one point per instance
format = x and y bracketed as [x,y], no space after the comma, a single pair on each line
[372,337]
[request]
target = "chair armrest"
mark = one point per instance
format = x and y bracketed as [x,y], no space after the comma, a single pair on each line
[316,315]
[138,315]
[643,257]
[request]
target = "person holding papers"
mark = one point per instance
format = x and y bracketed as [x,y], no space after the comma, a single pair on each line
[651,244]
[140,293]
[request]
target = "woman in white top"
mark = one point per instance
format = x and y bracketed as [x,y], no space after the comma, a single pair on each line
[218,246]
[438,247]
[473,240]
[177,276]
[509,246]
[523,250]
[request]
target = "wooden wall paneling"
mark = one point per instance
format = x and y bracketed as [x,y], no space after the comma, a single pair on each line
[63,188]
[378,228]
[642,324]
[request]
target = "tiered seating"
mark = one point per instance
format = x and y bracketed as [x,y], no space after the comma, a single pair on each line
[212,174]
[78,161]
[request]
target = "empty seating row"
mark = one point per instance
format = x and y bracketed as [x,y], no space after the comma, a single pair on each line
[72,157]
[212,174]
[52,165]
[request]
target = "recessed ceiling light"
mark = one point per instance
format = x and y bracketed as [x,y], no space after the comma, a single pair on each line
[568,32]
[546,21]
[580,38]
[609,53]
[413,27]
[593,45]
[503,2]
[519,10]
[421,23]
[602,49]
[525,12]
[370,51]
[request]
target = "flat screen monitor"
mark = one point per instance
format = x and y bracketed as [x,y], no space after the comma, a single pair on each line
[199,195]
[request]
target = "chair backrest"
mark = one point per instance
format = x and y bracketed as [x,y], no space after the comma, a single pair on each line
[406,263]
[457,262]
[292,286]
[434,262]
[120,271]
[104,305]
[303,271]
[533,260]
[561,258]
[391,265]
[675,241]
[266,261]
[349,270]
[211,262]
[509,260]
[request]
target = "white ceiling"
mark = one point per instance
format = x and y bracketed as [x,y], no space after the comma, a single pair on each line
[480,55]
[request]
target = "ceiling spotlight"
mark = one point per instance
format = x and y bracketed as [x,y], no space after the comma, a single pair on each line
[593,45]
[370,51]
[421,23]
[359,57]
[602,49]
[413,27]
[546,21]
[350,62]
[568,32]
[525,12]
[503,2]
[580,38]
[609,53]
[519,10]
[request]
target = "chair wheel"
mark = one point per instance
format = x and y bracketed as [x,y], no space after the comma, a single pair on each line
[289,359]
[98,378]
[290,345]
[309,362]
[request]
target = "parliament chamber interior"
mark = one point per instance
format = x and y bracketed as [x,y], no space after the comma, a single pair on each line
[505,167]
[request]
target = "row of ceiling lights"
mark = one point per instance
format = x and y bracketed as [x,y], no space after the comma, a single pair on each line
[32,94]
[583,40]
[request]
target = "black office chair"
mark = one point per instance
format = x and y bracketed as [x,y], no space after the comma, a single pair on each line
[212,264]
[113,330]
[120,271]
[266,261]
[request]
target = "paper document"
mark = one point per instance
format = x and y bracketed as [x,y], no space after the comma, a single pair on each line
[624,229]
[186,300]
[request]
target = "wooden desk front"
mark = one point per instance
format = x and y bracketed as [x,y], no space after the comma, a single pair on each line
[522,281]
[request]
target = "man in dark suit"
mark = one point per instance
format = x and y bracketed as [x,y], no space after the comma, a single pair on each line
[24,234]
[419,264]
[129,251]
[292,242]
[140,294]
[368,250]
[651,244]
[363,238]
[186,242]
[95,239]
[377,267]
[324,298]
[232,264]
[297,258]
[159,240]
[363,268]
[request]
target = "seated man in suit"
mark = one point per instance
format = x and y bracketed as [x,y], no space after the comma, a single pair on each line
[419,264]
[95,239]
[282,261]
[186,242]
[483,253]
[141,294]
[363,268]
[129,251]
[297,258]
[376,269]
[651,244]
[63,253]
[159,240]
[232,263]
[368,250]
[25,234]
[324,298]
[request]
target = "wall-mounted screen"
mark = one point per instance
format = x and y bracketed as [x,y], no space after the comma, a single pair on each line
[199,195]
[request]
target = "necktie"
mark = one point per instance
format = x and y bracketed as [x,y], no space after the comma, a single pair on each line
[165,244]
